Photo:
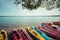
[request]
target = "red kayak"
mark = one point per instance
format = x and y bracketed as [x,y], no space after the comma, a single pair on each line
[24,35]
[51,30]
[51,27]
[57,23]
[49,33]
[16,35]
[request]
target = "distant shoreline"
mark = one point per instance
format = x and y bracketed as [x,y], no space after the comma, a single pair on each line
[34,16]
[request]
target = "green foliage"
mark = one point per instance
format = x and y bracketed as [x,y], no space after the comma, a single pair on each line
[29,4]
[34,4]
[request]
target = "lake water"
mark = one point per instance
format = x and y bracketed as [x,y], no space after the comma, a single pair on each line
[4,21]
[9,23]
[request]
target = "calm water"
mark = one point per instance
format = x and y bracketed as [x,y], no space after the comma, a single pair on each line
[9,23]
[4,21]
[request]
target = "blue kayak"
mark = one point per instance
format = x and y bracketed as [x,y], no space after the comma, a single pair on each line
[41,33]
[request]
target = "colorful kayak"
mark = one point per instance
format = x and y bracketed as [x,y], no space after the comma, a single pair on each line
[49,33]
[1,37]
[50,30]
[34,33]
[24,35]
[33,37]
[41,33]
[16,35]
[57,23]
[48,25]
[4,34]
[57,33]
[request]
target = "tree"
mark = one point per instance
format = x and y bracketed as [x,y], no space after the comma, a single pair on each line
[29,4]
[34,4]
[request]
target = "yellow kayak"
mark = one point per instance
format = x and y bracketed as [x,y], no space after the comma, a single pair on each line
[4,34]
[1,37]
[34,33]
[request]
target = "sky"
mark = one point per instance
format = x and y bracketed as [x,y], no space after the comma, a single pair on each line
[8,8]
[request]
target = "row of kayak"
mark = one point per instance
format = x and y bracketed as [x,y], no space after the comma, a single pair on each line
[31,33]
[46,32]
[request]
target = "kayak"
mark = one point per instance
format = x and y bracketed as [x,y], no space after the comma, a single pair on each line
[50,27]
[28,31]
[16,35]
[52,30]
[4,34]
[49,33]
[34,33]
[41,33]
[57,23]
[24,35]
[1,37]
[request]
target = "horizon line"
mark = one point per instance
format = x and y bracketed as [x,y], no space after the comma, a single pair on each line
[34,16]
